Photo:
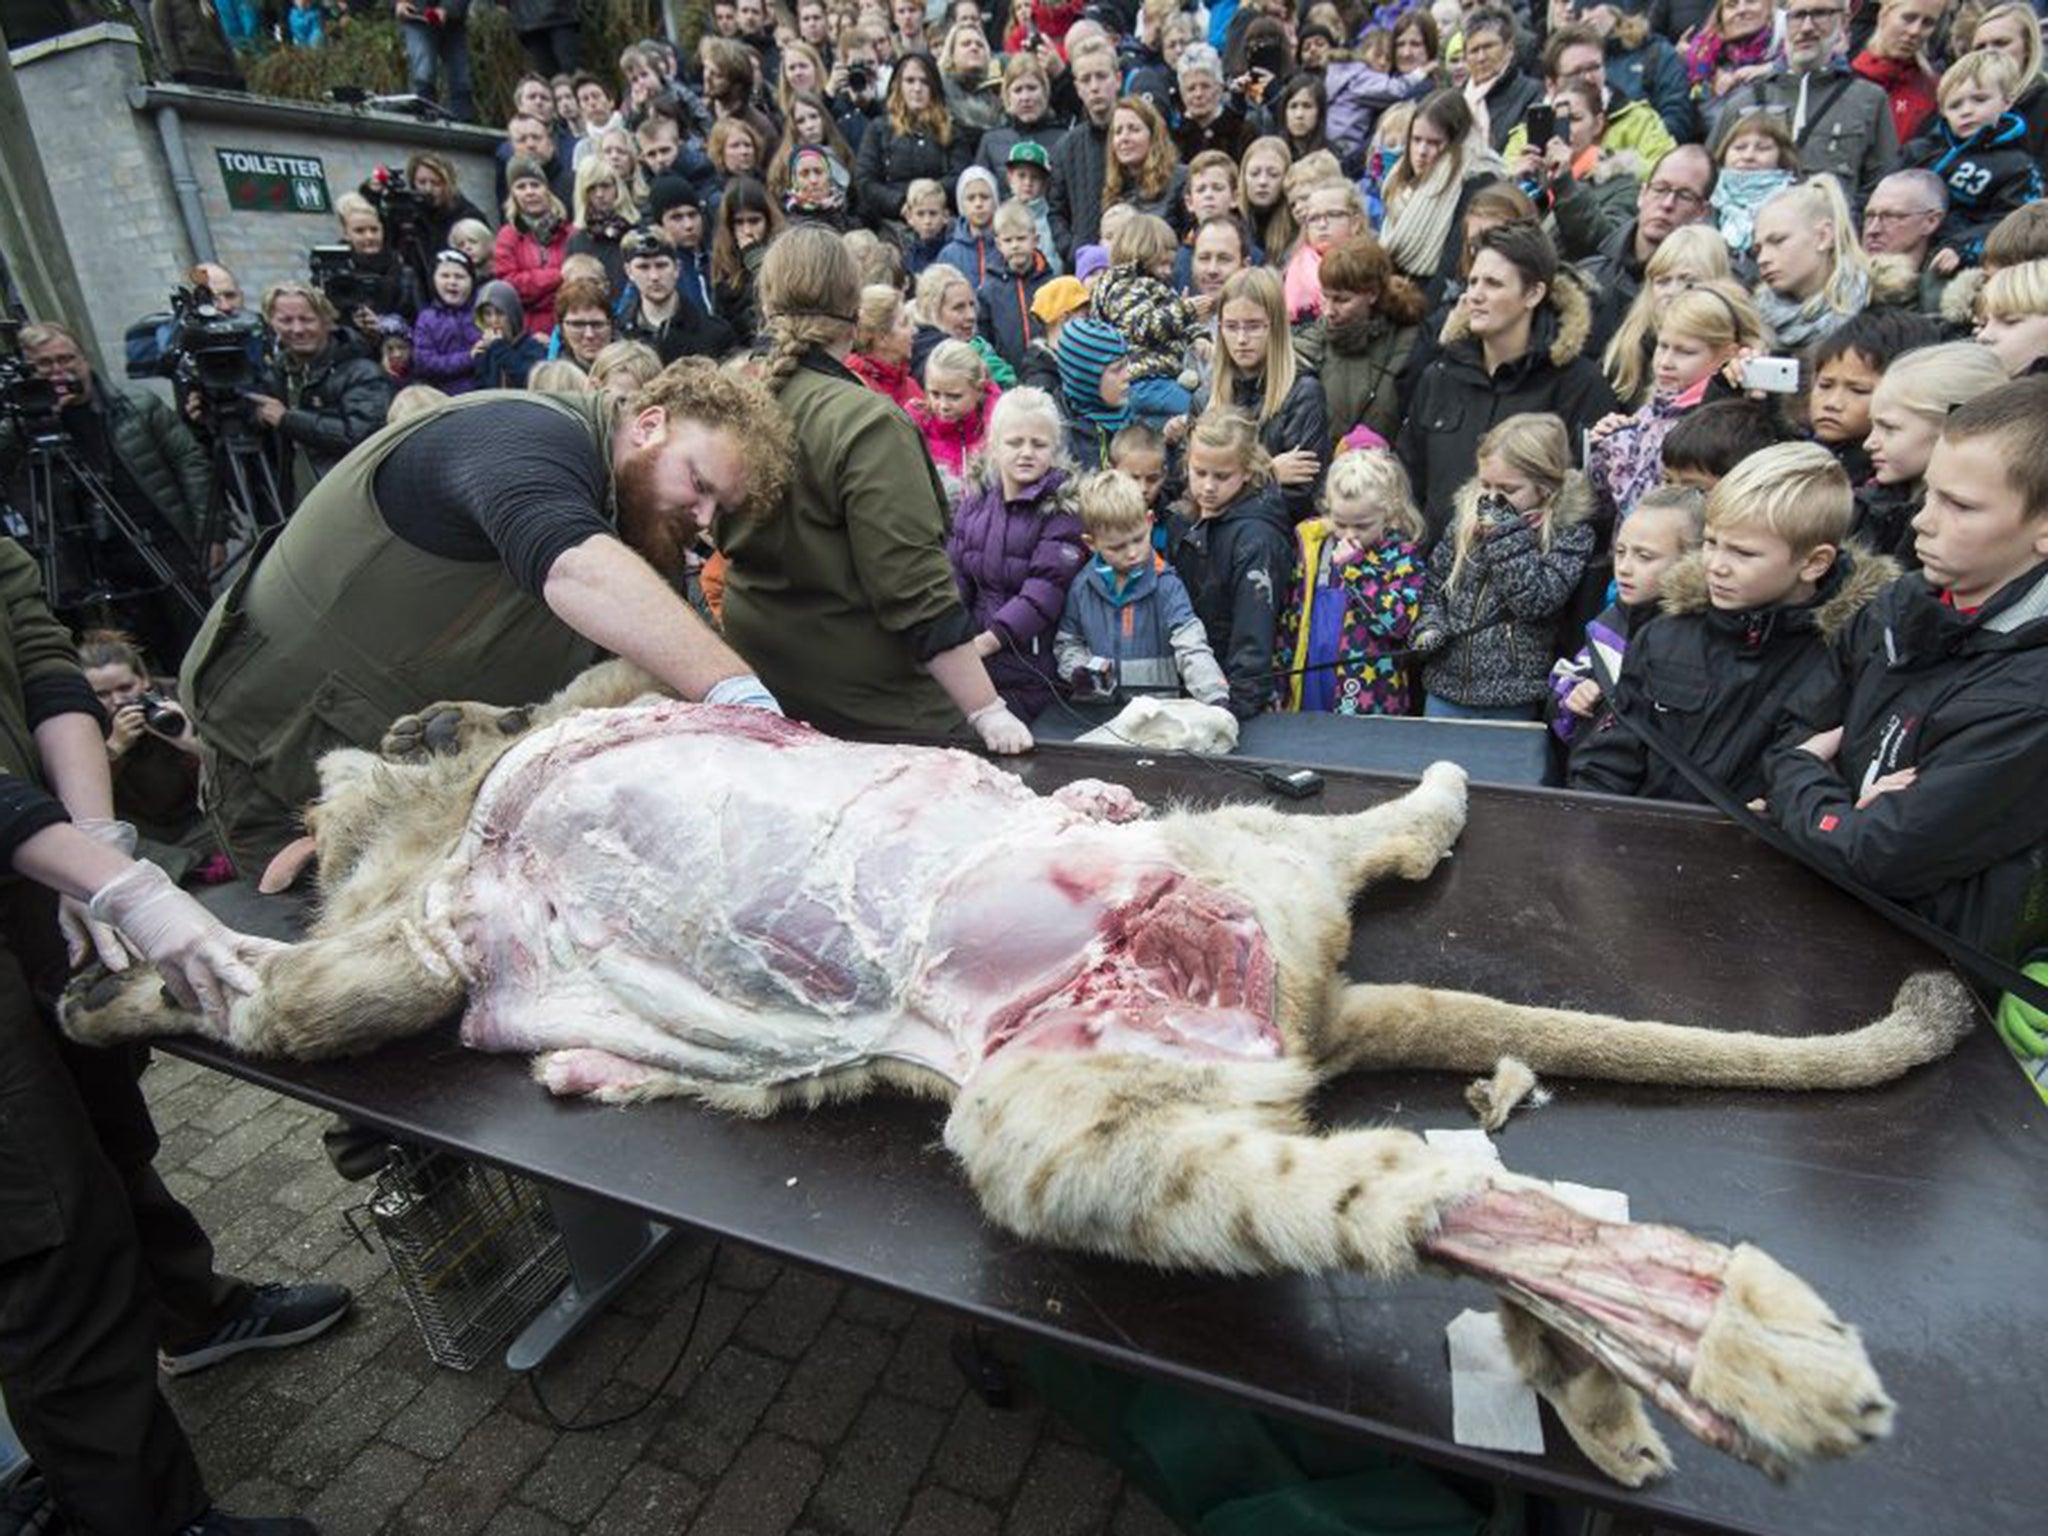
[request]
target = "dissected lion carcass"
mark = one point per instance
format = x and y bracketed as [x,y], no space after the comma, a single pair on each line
[1127,1015]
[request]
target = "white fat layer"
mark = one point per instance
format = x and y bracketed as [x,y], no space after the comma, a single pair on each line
[742,911]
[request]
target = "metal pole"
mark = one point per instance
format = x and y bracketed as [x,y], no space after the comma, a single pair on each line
[185,183]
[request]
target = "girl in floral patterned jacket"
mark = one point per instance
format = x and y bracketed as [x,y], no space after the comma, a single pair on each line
[1357,583]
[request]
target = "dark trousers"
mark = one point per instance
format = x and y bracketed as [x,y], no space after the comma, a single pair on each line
[552,49]
[99,1263]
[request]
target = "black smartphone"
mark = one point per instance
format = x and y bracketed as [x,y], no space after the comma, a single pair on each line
[1542,124]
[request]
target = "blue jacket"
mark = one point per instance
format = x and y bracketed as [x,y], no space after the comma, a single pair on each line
[972,254]
[1988,175]
[1002,310]
[506,367]
[1147,630]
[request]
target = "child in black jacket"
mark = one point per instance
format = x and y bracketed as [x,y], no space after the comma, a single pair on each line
[1979,150]
[1741,655]
[1233,547]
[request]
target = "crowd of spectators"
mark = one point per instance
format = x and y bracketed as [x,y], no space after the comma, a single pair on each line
[1392,316]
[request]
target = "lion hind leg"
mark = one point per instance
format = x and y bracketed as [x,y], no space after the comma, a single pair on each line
[1409,1026]
[1193,1166]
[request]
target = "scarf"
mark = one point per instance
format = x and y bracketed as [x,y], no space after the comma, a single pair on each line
[543,229]
[1419,217]
[1709,52]
[1737,197]
[1797,324]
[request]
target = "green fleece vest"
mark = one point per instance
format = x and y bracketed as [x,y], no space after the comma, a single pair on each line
[337,626]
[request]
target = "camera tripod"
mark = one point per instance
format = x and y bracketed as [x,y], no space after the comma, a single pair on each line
[246,500]
[54,468]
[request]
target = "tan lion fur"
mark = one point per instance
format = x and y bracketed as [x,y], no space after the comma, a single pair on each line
[1185,1165]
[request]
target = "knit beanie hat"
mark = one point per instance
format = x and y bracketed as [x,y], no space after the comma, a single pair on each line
[975,173]
[1087,347]
[671,192]
[526,168]
[1089,260]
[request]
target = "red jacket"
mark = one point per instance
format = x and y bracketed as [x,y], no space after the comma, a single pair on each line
[891,379]
[534,271]
[1910,85]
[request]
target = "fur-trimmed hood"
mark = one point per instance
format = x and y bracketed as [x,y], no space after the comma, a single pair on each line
[1563,324]
[1959,298]
[1851,584]
[1609,164]
[1894,282]
[1575,501]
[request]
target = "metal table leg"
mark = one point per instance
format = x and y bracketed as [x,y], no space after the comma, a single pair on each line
[607,1246]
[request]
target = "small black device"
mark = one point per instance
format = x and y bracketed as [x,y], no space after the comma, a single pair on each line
[856,78]
[1294,783]
[158,712]
[1541,122]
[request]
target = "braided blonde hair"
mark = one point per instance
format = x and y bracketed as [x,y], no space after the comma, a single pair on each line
[810,293]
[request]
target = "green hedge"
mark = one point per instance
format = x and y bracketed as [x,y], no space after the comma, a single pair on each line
[367,54]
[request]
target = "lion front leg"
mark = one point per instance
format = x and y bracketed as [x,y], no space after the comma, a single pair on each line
[451,727]
[1204,1167]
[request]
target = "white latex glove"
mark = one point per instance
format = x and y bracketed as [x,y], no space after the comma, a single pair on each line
[83,937]
[1000,731]
[205,963]
[747,691]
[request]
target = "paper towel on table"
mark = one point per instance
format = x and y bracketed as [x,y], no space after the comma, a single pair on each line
[1600,1204]
[1466,1143]
[1492,1408]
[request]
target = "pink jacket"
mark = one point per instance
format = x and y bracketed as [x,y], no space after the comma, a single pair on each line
[952,442]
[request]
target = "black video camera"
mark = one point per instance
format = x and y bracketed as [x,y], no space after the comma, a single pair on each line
[335,274]
[26,397]
[399,204]
[160,714]
[210,351]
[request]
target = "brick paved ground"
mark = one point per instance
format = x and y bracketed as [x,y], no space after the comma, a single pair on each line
[806,1406]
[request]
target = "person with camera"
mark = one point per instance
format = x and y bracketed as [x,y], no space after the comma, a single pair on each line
[369,280]
[155,470]
[322,395]
[153,755]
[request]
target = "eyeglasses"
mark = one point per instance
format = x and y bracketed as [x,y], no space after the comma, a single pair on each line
[1664,192]
[1326,216]
[1483,49]
[1583,72]
[1819,16]
[586,325]
[1887,216]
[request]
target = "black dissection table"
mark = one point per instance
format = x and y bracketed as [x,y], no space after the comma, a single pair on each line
[1917,1209]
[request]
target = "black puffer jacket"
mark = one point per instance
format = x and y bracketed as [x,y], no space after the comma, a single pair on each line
[996,144]
[1613,279]
[342,398]
[888,162]
[157,451]
[1235,567]
[1725,687]
[1492,637]
[1303,421]
[1508,101]
[1962,699]
[1457,402]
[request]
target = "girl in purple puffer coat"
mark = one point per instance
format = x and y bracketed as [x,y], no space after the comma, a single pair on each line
[445,340]
[1016,546]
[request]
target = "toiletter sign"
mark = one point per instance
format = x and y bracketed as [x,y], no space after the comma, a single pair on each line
[269,183]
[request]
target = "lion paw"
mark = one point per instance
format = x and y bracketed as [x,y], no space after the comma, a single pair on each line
[443,730]
[103,1007]
[1778,1362]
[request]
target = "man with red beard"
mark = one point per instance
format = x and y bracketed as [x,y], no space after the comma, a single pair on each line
[489,549]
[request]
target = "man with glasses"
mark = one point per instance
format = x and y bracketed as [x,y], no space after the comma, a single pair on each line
[1495,88]
[1901,220]
[583,313]
[1841,122]
[1576,52]
[1676,194]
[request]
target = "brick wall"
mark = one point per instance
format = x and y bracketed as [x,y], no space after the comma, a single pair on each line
[96,131]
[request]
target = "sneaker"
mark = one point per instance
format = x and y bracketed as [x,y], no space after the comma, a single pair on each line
[275,1317]
[214,1523]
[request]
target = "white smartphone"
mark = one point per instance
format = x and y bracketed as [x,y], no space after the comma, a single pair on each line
[1772,375]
